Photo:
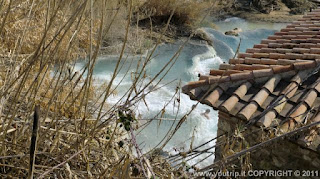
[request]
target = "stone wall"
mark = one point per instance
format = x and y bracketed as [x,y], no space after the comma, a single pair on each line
[284,154]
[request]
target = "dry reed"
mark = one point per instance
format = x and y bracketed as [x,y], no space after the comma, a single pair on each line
[79,135]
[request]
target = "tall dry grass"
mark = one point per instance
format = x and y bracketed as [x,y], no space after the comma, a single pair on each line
[78,134]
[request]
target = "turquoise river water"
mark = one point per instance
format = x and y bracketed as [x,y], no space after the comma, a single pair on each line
[194,58]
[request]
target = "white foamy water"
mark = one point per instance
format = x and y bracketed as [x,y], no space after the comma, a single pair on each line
[236,22]
[202,63]
[194,59]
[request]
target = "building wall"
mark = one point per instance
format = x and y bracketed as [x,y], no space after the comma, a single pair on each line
[284,154]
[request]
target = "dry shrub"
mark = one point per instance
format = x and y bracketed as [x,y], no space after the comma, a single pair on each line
[184,12]
[27,24]
[79,136]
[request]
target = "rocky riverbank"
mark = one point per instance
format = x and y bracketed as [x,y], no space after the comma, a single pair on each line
[264,10]
[150,19]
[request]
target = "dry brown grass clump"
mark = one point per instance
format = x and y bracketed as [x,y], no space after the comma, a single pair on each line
[183,12]
[78,134]
[25,24]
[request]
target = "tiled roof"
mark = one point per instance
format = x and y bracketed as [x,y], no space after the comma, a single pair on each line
[280,69]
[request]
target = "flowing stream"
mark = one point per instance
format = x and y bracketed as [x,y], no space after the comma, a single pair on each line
[193,59]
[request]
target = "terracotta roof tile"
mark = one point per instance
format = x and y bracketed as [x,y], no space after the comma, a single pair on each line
[204,77]
[284,50]
[314,50]
[260,55]
[281,104]
[293,33]
[310,97]
[302,28]
[307,45]
[290,90]
[250,67]
[241,76]
[312,56]
[285,61]
[306,36]
[298,41]
[282,69]
[238,94]
[245,75]
[299,112]
[267,119]
[262,73]
[277,55]
[287,126]
[307,25]
[248,111]
[305,103]
[228,105]
[223,72]
[272,83]
[261,97]
[268,50]
[276,68]
[268,61]
[311,32]
[316,86]
[287,30]
[314,28]
[260,46]
[274,37]
[294,56]
[289,45]
[214,96]
[242,90]
[312,40]
[301,50]
[281,33]
[253,50]
[243,55]
[194,93]
[237,61]
[274,45]
[220,79]
[282,41]
[194,84]
[268,41]
[225,66]
[252,60]
[298,78]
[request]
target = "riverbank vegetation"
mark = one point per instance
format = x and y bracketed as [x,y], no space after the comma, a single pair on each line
[264,10]
[55,121]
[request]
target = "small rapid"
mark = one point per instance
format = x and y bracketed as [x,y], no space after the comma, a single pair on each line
[194,58]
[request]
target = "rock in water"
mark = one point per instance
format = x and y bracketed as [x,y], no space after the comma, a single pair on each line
[203,35]
[234,32]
